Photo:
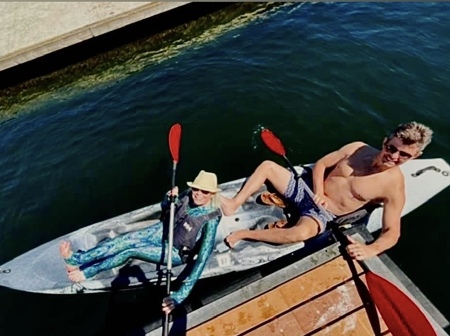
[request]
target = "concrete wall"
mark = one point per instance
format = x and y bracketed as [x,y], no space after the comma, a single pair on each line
[29,30]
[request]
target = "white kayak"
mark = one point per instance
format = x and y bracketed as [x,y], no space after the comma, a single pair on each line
[42,269]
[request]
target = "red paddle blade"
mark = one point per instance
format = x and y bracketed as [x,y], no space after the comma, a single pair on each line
[399,312]
[272,142]
[174,141]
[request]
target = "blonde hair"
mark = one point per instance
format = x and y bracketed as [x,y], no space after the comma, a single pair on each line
[413,133]
[215,200]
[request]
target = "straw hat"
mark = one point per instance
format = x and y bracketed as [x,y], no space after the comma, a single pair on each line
[205,181]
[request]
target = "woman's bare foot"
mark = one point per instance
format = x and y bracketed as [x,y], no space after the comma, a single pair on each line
[77,275]
[66,252]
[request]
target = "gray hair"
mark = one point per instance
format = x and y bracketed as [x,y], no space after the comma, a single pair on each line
[413,133]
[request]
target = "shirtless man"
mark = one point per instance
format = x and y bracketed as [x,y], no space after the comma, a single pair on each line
[360,174]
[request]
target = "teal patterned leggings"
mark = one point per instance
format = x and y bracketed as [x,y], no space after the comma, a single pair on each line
[145,244]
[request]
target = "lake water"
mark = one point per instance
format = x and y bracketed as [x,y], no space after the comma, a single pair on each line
[84,148]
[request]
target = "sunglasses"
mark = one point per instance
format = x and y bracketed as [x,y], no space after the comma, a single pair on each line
[204,192]
[392,150]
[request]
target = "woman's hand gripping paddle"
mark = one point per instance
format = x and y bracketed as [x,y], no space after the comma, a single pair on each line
[174,147]
[399,312]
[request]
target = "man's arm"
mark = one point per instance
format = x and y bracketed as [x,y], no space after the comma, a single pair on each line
[394,201]
[392,211]
[275,236]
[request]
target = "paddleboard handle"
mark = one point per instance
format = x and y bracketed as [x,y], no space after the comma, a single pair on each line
[423,170]
[5,271]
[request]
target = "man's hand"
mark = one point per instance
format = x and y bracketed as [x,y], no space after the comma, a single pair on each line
[359,251]
[234,237]
[320,199]
[168,305]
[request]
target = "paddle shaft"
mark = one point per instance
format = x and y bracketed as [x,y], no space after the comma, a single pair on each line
[170,243]
[362,289]
[342,238]
[171,224]
[174,146]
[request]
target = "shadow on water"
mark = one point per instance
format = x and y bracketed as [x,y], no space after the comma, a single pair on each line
[129,311]
[89,58]
[143,311]
[136,312]
[41,314]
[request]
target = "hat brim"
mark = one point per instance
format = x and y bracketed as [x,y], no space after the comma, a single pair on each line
[192,185]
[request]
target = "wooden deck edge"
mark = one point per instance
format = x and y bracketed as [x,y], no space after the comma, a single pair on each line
[381,265]
[257,288]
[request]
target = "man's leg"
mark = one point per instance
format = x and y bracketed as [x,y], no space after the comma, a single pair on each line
[268,170]
[306,228]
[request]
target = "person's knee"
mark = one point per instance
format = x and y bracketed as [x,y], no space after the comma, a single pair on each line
[270,168]
[128,254]
[305,229]
[299,234]
[268,165]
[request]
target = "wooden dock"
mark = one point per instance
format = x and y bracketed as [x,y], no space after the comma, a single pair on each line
[313,296]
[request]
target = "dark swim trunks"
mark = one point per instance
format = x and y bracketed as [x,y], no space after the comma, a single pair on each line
[297,194]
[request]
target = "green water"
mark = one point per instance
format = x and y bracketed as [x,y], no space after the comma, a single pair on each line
[91,142]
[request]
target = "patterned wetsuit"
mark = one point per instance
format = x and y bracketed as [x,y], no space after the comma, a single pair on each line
[147,244]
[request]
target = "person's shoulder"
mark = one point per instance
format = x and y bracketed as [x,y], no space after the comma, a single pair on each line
[394,178]
[395,173]
[353,146]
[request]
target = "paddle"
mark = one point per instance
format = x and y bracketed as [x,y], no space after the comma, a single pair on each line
[399,312]
[174,147]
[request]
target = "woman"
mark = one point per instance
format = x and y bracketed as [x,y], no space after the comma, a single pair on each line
[197,214]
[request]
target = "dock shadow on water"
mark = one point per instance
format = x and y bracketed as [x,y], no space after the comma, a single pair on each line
[128,312]
[112,57]
[136,312]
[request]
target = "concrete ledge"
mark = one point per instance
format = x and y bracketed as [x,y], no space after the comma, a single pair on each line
[35,29]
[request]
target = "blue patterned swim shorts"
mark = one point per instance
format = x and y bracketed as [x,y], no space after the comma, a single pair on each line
[297,194]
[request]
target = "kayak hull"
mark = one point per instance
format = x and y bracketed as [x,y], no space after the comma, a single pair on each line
[42,269]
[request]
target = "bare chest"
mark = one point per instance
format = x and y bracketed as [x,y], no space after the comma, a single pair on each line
[358,183]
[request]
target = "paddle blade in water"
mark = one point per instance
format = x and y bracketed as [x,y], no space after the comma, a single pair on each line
[399,312]
[272,142]
[174,141]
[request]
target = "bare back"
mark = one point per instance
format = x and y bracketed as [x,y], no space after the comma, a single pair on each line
[354,181]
